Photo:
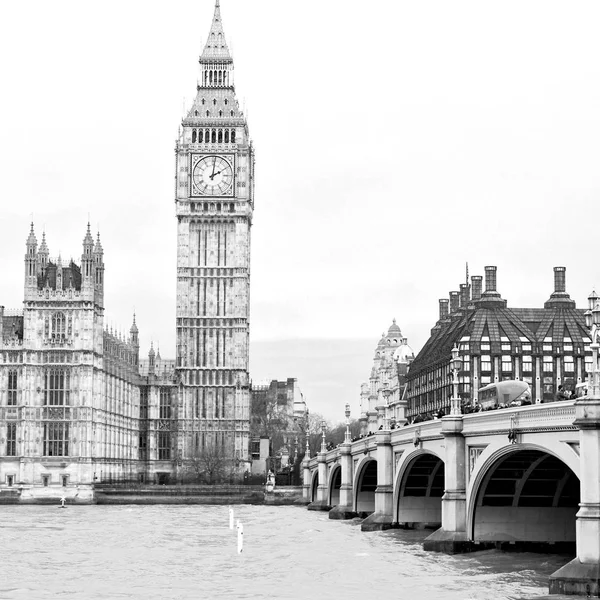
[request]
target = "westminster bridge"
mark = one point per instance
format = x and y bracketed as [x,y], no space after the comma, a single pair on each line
[514,475]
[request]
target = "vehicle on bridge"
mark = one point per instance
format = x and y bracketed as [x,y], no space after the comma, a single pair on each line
[504,393]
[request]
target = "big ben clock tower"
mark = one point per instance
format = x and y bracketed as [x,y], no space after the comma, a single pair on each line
[214,203]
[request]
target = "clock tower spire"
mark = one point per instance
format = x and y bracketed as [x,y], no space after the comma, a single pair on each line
[214,202]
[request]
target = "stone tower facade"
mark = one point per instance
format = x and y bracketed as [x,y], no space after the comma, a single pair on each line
[214,200]
[69,389]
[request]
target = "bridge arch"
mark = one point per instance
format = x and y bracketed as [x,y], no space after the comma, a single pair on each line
[419,489]
[335,483]
[524,493]
[314,484]
[365,483]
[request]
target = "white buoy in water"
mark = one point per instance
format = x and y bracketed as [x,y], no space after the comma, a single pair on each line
[62,502]
[231,517]
[240,536]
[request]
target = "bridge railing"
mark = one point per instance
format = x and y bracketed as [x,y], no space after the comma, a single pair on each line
[557,415]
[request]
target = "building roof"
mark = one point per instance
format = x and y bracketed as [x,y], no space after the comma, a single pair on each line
[216,49]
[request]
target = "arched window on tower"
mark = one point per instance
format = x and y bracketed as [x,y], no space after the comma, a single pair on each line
[220,113]
[232,113]
[200,132]
[220,136]
[233,136]
[207,136]
[215,101]
[203,101]
[194,136]
[214,136]
[205,81]
[208,113]
[227,136]
[58,326]
[196,113]
[226,102]
[210,78]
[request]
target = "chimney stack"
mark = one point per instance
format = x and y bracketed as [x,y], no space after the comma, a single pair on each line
[490,279]
[477,281]
[454,302]
[465,295]
[560,298]
[560,277]
[443,309]
[491,298]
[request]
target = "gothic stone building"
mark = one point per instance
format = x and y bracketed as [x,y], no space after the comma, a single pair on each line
[546,347]
[77,406]
[383,397]
[69,389]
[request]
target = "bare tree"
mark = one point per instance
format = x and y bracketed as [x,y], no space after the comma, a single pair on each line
[211,464]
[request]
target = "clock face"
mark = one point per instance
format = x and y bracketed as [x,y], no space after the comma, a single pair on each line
[212,176]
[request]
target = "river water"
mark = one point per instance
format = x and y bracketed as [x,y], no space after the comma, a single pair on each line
[181,552]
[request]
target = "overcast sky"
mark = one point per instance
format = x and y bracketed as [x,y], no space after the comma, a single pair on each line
[395,140]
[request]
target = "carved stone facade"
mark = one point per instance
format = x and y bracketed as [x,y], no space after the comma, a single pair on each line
[214,204]
[382,398]
[77,406]
[69,389]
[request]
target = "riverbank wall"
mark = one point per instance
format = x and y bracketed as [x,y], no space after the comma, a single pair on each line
[154,494]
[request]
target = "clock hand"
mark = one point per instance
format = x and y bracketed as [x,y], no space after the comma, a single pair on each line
[213,170]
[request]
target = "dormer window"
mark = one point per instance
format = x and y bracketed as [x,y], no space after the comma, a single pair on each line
[196,113]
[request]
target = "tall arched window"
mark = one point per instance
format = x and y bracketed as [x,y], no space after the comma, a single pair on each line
[220,113]
[233,136]
[210,78]
[227,136]
[58,326]
[194,136]
[214,136]
[200,137]
[220,136]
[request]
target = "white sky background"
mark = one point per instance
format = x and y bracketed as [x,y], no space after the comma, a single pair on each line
[395,140]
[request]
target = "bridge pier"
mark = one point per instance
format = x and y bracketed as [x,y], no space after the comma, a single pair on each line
[451,538]
[381,519]
[344,509]
[582,575]
[321,502]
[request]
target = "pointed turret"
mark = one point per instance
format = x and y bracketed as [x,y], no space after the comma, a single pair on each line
[31,241]
[31,259]
[151,359]
[216,47]
[87,261]
[98,258]
[42,258]
[59,273]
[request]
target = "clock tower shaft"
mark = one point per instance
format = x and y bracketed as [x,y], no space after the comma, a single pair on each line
[214,198]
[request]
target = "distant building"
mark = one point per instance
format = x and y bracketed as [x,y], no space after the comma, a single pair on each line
[546,347]
[278,422]
[382,397]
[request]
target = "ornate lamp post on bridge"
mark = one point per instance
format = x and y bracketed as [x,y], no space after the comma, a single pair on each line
[323,429]
[455,365]
[592,320]
[347,436]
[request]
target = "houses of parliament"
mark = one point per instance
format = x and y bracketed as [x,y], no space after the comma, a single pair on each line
[78,405]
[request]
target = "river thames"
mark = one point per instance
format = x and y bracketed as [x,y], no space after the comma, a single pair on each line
[164,552]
